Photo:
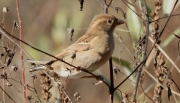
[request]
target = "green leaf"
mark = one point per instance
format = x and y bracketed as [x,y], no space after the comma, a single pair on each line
[133,22]
[148,8]
[168,6]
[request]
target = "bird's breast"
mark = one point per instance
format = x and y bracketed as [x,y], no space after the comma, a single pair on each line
[103,44]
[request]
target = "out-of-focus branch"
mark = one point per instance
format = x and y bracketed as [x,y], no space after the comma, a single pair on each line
[106,6]
[21,51]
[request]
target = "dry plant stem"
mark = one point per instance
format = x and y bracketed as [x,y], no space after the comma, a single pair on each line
[150,18]
[160,84]
[100,3]
[167,20]
[111,80]
[6,35]
[21,52]
[174,96]
[165,17]
[15,95]
[7,94]
[143,62]
[122,42]
[11,87]
[128,34]
[36,91]
[125,2]
[33,89]
[106,6]
[13,90]
[146,18]
[162,51]
[167,29]
[130,74]
[130,38]
[2,23]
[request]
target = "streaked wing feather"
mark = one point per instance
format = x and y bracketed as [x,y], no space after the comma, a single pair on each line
[71,49]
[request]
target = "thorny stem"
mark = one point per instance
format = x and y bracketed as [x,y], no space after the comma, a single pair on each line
[21,51]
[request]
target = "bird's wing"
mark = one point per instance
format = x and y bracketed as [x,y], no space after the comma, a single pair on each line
[77,47]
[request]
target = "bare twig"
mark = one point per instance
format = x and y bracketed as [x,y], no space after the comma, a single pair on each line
[176,93]
[162,51]
[146,18]
[168,19]
[7,94]
[111,87]
[21,51]
[106,6]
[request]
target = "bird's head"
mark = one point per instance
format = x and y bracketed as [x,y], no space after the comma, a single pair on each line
[105,22]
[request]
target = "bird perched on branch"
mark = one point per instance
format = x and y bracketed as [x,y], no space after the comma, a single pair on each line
[89,52]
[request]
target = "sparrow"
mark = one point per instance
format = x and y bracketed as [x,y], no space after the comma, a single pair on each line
[89,52]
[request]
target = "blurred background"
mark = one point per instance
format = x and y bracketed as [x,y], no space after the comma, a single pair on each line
[45,24]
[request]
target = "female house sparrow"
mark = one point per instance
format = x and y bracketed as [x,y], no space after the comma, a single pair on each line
[90,51]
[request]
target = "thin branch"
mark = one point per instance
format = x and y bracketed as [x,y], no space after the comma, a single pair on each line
[146,29]
[106,6]
[130,74]
[121,41]
[160,83]
[164,17]
[7,94]
[162,51]
[21,51]
[132,9]
[167,19]
[111,87]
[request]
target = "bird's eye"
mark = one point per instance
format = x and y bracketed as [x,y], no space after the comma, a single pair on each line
[109,21]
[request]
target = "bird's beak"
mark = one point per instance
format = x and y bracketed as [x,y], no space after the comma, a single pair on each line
[118,22]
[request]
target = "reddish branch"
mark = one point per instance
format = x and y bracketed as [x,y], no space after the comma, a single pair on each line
[21,52]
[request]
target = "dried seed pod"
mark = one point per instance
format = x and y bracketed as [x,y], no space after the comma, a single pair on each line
[74,55]
[81,2]
[4,76]
[14,68]
[8,84]
[15,24]
[30,97]
[116,70]
[70,32]
[77,96]
[5,9]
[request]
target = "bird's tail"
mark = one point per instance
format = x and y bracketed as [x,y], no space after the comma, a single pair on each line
[36,65]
